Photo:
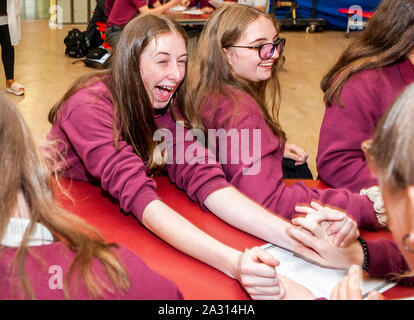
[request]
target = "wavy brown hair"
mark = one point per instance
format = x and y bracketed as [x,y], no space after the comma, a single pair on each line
[387,39]
[122,77]
[210,75]
[24,173]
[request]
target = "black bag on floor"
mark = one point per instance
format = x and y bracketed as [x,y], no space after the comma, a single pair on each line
[290,171]
[96,53]
[75,44]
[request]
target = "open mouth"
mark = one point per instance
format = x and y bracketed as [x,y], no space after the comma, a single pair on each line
[266,64]
[164,93]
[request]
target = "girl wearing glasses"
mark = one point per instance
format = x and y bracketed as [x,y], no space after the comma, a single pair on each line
[106,123]
[359,88]
[232,84]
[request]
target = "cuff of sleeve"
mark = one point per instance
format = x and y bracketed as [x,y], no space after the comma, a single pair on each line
[141,202]
[368,216]
[209,187]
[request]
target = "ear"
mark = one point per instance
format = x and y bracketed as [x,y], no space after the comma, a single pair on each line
[228,53]
[410,194]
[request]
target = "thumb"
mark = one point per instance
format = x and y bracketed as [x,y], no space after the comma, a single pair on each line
[259,255]
[375,295]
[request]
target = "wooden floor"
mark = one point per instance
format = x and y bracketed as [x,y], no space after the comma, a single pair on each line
[46,73]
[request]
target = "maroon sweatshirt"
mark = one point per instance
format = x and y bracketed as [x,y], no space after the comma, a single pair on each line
[386,260]
[56,259]
[85,132]
[264,161]
[365,96]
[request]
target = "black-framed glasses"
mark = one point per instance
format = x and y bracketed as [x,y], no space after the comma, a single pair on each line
[266,50]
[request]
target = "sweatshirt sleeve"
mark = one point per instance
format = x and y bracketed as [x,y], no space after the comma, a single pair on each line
[255,167]
[340,160]
[121,172]
[386,260]
[191,166]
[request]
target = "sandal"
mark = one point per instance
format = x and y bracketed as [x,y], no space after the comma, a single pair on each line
[16,88]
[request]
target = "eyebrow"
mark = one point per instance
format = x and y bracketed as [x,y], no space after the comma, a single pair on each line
[168,54]
[264,39]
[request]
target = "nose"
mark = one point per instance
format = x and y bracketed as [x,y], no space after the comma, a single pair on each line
[275,54]
[175,72]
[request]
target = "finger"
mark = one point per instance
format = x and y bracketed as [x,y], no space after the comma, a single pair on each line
[326,213]
[346,235]
[292,156]
[341,235]
[335,226]
[342,289]
[305,209]
[375,295]
[263,297]
[303,237]
[353,285]
[334,294]
[262,256]
[253,281]
[310,225]
[266,291]
[351,237]
[309,254]
[258,269]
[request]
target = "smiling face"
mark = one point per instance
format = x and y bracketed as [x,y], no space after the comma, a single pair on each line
[245,61]
[162,67]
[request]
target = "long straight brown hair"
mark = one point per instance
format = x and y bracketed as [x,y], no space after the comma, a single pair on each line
[387,39]
[209,73]
[23,172]
[123,79]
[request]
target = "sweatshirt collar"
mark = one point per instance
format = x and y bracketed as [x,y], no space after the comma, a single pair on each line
[15,231]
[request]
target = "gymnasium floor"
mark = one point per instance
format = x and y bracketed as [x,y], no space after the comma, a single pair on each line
[46,73]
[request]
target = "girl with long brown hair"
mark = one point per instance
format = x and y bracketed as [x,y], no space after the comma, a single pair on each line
[108,124]
[359,88]
[48,253]
[232,84]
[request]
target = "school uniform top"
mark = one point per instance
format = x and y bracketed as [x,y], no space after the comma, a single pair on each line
[49,261]
[201,3]
[84,130]
[108,6]
[257,167]
[123,11]
[386,260]
[365,96]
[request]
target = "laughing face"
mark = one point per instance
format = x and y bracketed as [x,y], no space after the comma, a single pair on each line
[246,62]
[162,67]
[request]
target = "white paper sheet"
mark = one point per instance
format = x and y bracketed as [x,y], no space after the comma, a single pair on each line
[320,281]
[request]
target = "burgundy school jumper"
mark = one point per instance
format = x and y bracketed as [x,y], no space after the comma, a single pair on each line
[84,125]
[386,260]
[266,185]
[145,283]
[365,96]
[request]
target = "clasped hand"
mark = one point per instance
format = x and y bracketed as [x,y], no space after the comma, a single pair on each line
[328,236]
